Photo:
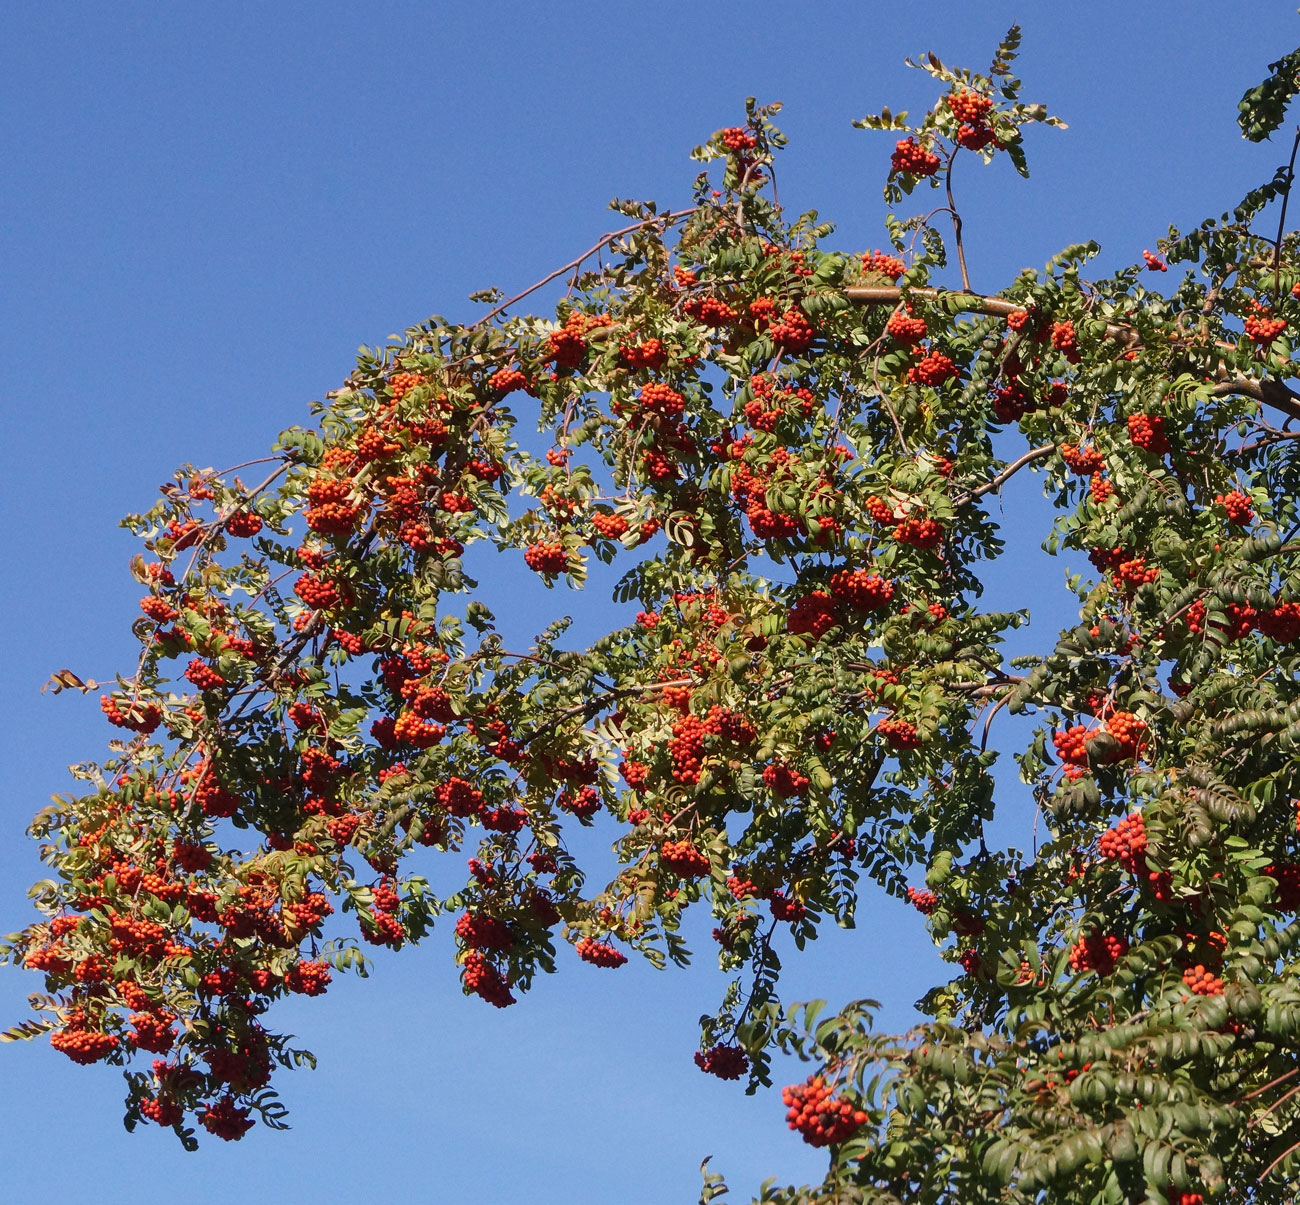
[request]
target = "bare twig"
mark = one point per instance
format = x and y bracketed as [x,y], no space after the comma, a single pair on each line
[659,219]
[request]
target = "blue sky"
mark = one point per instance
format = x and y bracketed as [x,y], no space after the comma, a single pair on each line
[207,208]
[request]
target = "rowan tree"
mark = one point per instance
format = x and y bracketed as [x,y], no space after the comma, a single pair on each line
[788,452]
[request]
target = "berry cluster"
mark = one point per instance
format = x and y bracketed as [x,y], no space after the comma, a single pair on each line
[737,138]
[1202,982]
[1154,262]
[910,158]
[899,734]
[726,1062]
[663,400]
[820,1116]
[243,524]
[919,533]
[784,781]
[507,380]
[483,979]
[812,615]
[969,107]
[203,675]
[711,311]
[925,902]
[1262,328]
[1066,340]
[1126,843]
[1237,506]
[225,1120]
[862,591]
[887,265]
[547,558]
[1098,952]
[478,931]
[82,1045]
[1082,460]
[599,953]
[683,859]
[649,354]
[1147,431]
[934,370]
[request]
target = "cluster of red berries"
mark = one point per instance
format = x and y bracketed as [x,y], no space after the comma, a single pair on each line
[1082,460]
[582,803]
[820,1116]
[1071,745]
[726,1062]
[599,953]
[547,558]
[225,1120]
[1154,262]
[1066,340]
[784,781]
[1126,843]
[812,615]
[711,311]
[1202,982]
[482,932]
[649,354]
[793,333]
[243,524]
[899,734]
[318,594]
[213,798]
[308,978]
[1147,431]
[82,1045]
[329,510]
[161,1110]
[1100,488]
[1132,573]
[1287,875]
[203,675]
[861,590]
[910,158]
[934,370]
[1262,328]
[887,265]
[925,902]
[158,609]
[919,533]
[683,859]
[567,346]
[1098,952]
[1130,733]
[969,107]
[1238,507]
[1281,622]
[609,525]
[483,979]
[737,138]
[138,717]
[1183,1198]
[661,399]
[410,729]
[507,380]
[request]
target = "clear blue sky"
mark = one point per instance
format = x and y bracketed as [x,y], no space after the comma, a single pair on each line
[205,209]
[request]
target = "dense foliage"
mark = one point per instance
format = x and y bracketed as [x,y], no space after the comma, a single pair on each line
[789,451]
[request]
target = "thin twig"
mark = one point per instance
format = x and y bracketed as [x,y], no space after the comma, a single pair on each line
[956,227]
[1281,217]
[658,219]
[1003,477]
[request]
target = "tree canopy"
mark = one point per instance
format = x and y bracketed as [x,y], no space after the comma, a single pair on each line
[790,455]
